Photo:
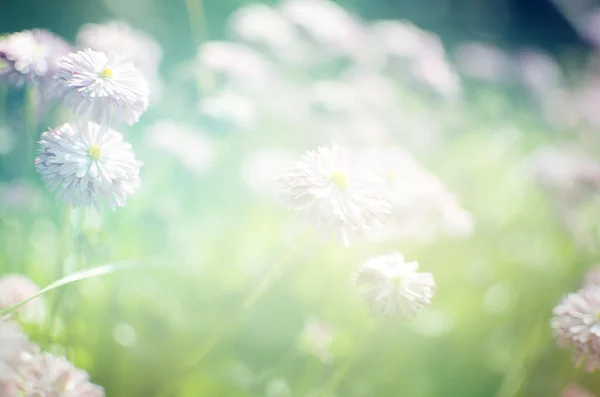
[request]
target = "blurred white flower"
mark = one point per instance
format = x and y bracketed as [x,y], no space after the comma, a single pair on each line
[484,62]
[229,110]
[329,26]
[30,55]
[237,64]
[336,191]
[107,87]
[43,374]
[120,38]
[574,390]
[88,163]
[316,340]
[397,40]
[576,325]
[563,168]
[260,169]
[264,26]
[391,286]
[194,149]
[13,343]
[16,288]
[422,206]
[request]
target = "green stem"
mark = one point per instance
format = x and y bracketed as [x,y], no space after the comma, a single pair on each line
[199,27]
[227,326]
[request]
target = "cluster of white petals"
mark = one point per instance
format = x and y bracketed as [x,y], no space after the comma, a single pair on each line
[576,325]
[106,87]
[16,288]
[42,374]
[88,163]
[13,342]
[393,287]
[337,192]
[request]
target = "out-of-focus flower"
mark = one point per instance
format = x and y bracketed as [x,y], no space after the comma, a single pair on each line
[540,73]
[267,28]
[194,149]
[564,169]
[397,40]
[15,288]
[13,342]
[329,26]
[43,374]
[236,64]
[339,193]
[484,62]
[574,390]
[88,163]
[260,169]
[30,55]
[576,325]
[107,87]
[20,195]
[592,277]
[392,287]
[422,206]
[229,110]
[316,340]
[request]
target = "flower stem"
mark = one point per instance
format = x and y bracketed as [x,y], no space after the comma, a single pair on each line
[199,27]
[227,326]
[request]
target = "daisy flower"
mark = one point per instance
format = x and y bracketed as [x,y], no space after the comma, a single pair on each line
[337,192]
[15,288]
[88,163]
[391,286]
[43,374]
[105,86]
[576,325]
[13,342]
[30,55]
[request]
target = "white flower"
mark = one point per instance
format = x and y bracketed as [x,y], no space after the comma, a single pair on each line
[260,169]
[229,110]
[393,287]
[88,163]
[15,288]
[337,192]
[120,38]
[12,343]
[30,55]
[107,87]
[422,205]
[576,325]
[316,340]
[194,149]
[46,375]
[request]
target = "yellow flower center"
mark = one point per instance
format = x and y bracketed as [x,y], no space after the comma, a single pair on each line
[339,180]
[94,152]
[106,73]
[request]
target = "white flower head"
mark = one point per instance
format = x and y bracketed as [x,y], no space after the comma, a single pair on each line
[316,339]
[88,163]
[46,375]
[337,192]
[576,325]
[392,287]
[105,86]
[120,38]
[12,343]
[15,288]
[30,55]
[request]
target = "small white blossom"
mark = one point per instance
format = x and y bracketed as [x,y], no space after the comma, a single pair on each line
[391,286]
[43,374]
[105,86]
[576,325]
[88,163]
[30,55]
[15,288]
[12,343]
[336,191]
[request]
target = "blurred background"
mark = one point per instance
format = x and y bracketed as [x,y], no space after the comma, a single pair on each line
[491,106]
